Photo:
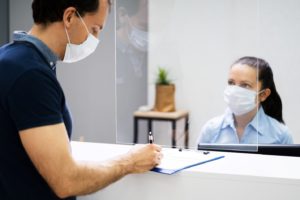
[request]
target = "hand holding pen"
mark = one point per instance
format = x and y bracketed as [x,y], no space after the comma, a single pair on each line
[159,154]
[145,157]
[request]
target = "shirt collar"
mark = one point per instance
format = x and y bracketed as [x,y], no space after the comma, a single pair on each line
[50,56]
[255,123]
[228,119]
[258,121]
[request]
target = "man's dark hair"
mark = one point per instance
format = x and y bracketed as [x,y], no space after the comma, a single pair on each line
[131,6]
[48,11]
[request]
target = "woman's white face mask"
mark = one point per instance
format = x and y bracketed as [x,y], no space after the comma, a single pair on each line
[75,52]
[240,100]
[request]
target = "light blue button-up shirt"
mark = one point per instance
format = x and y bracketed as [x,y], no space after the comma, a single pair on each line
[262,130]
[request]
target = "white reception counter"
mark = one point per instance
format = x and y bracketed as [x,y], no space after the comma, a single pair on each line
[237,176]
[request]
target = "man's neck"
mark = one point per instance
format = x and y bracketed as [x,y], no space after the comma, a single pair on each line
[52,35]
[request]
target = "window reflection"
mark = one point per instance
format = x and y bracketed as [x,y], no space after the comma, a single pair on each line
[131,63]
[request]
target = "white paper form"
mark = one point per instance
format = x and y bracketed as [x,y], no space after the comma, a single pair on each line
[175,161]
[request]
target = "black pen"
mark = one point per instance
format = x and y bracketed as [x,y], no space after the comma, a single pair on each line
[150,137]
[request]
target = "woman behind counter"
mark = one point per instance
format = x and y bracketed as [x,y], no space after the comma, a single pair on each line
[254,113]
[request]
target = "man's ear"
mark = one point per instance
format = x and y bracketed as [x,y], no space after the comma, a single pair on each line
[264,95]
[69,16]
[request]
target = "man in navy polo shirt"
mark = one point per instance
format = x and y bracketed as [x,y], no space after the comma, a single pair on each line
[35,125]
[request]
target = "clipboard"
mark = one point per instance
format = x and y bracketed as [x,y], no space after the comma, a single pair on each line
[175,161]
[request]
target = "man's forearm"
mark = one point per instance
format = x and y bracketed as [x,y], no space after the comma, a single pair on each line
[86,177]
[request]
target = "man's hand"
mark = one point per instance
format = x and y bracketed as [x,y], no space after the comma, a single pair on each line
[144,158]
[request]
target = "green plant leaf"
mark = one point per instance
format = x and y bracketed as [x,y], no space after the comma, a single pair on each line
[162,77]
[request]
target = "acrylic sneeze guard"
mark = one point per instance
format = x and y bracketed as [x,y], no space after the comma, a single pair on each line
[197,41]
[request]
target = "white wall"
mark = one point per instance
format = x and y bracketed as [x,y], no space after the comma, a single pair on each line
[197,40]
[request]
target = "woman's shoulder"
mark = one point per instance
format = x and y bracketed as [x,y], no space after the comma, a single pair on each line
[213,125]
[280,130]
[215,122]
[210,129]
[278,126]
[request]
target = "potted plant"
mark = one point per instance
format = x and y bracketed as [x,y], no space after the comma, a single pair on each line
[165,92]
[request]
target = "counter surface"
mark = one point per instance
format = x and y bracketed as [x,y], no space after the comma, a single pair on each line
[238,175]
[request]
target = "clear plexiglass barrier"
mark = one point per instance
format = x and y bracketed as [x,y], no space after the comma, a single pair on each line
[208,73]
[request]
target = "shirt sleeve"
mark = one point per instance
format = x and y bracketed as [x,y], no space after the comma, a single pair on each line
[205,134]
[211,130]
[287,137]
[35,100]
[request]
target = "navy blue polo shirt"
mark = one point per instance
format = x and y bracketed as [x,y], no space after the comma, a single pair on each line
[30,96]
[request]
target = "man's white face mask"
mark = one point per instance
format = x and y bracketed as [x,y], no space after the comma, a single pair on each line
[240,100]
[139,39]
[77,52]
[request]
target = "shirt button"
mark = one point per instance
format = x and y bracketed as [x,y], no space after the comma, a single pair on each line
[51,63]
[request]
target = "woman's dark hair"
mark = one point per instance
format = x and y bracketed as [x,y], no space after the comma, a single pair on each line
[272,105]
[48,11]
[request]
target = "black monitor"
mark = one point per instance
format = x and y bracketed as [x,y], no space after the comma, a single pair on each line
[267,149]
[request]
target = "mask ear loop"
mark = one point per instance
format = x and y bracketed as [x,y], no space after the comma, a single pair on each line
[261,91]
[69,41]
[83,22]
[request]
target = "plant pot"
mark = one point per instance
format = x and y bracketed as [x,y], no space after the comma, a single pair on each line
[165,98]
